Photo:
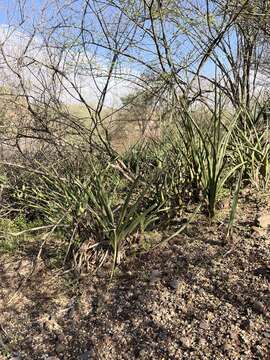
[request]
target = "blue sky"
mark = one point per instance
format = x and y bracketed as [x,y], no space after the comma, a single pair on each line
[9,10]
[6,10]
[34,5]
[3,4]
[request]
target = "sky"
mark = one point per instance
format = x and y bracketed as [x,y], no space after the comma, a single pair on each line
[14,47]
[32,7]
[119,88]
[7,10]
[3,4]
[10,10]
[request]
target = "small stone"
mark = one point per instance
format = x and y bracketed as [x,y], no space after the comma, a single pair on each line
[162,335]
[258,231]
[174,284]
[259,351]
[61,337]
[245,324]
[85,356]
[143,353]
[258,307]
[234,335]
[264,221]
[244,338]
[155,273]
[203,325]
[262,271]
[167,253]
[202,343]
[60,348]
[185,342]
[154,276]
[227,346]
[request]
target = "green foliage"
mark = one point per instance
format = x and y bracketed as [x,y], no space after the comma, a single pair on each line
[7,242]
[206,151]
[110,202]
[9,227]
[253,148]
[95,206]
[14,231]
[235,202]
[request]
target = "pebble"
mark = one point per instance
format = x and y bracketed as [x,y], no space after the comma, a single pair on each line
[174,284]
[264,221]
[60,348]
[258,307]
[245,324]
[144,353]
[154,276]
[202,343]
[85,356]
[185,341]
[203,325]
[227,346]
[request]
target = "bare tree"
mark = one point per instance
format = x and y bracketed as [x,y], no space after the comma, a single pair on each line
[79,51]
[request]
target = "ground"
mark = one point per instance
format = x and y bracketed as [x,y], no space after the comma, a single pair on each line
[197,297]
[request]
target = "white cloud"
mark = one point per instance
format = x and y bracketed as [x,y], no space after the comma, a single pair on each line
[20,50]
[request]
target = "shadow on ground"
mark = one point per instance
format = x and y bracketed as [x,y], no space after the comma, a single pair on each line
[194,299]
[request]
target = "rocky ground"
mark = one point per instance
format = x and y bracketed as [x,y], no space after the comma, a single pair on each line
[197,297]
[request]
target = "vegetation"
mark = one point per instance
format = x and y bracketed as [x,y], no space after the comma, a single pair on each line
[134,179]
[194,128]
[110,203]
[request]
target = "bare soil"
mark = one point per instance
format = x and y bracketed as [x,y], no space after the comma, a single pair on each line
[197,297]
